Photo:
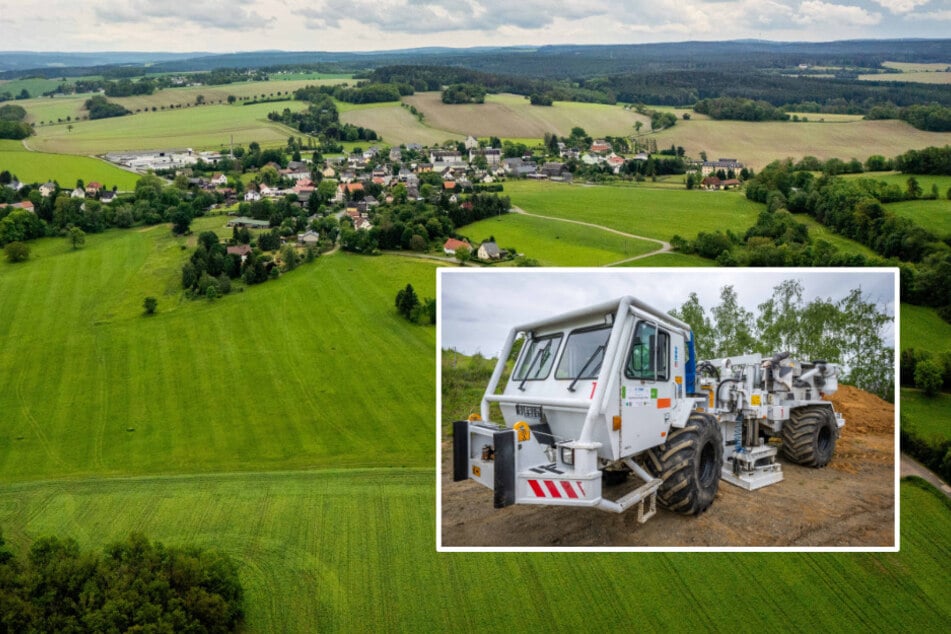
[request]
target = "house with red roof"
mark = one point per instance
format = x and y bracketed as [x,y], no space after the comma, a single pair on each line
[451,245]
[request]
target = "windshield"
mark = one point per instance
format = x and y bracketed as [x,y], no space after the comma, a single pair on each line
[584,352]
[537,360]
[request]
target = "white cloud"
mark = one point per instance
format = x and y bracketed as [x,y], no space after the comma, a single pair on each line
[817,12]
[930,16]
[901,6]
[215,14]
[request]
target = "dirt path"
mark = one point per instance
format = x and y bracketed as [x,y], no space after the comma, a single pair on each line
[664,246]
[911,467]
[849,503]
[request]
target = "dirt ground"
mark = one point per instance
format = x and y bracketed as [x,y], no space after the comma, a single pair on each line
[851,502]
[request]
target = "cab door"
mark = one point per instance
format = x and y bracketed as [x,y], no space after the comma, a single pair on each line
[648,388]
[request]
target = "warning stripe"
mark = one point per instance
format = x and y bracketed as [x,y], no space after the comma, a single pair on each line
[549,489]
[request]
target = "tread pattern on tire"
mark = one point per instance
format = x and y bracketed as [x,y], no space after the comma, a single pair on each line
[676,462]
[801,432]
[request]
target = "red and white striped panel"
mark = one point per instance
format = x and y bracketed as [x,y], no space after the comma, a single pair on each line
[556,489]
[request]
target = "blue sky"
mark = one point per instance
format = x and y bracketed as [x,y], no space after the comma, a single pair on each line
[363,25]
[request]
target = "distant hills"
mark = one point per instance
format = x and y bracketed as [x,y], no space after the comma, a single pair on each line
[556,61]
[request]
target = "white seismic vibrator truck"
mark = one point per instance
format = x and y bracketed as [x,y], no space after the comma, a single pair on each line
[614,391]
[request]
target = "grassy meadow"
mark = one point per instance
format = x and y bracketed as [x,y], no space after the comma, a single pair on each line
[555,243]
[934,215]
[395,124]
[642,210]
[921,328]
[928,416]
[39,167]
[259,380]
[933,73]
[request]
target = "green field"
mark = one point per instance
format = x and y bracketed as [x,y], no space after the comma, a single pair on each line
[39,167]
[353,551]
[645,211]
[36,86]
[672,259]
[934,215]
[921,328]
[927,415]
[198,127]
[818,231]
[260,380]
[897,178]
[555,243]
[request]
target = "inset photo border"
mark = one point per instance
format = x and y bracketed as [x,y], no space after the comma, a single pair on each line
[649,409]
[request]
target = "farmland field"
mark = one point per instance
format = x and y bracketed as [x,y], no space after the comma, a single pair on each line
[198,127]
[396,125]
[914,72]
[513,116]
[757,144]
[644,211]
[38,167]
[555,243]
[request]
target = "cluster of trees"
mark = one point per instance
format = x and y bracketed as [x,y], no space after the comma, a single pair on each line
[210,268]
[931,160]
[932,117]
[322,118]
[856,208]
[739,109]
[133,585]
[366,92]
[12,122]
[847,331]
[128,88]
[412,308]
[416,226]
[101,108]
[464,93]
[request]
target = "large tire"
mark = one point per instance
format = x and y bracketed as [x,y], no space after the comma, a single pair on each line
[689,464]
[809,436]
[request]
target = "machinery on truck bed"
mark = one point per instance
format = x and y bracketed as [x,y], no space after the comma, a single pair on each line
[612,390]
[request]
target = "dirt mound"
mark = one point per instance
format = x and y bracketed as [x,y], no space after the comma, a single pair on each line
[864,413]
[849,503]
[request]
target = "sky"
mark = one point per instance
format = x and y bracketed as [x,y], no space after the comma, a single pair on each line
[479,307]
[368,25]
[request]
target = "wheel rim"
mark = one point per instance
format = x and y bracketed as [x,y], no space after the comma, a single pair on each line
[708,465]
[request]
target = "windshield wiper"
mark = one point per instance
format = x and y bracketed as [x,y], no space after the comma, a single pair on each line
[599,349]
[528,370]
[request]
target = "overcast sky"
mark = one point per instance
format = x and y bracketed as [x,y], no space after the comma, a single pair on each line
[478,307]
[364,25]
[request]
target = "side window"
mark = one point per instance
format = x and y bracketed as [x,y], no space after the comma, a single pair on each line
[650,352]
[538,358]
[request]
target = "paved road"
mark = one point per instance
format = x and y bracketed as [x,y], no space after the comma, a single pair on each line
[910,466]
[664,246]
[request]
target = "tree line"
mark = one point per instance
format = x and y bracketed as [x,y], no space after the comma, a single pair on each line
[846,331]
[133,585]
[13,123]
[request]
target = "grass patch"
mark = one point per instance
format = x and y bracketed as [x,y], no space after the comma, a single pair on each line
[818,231]
[897,178]
[921,328]
[928,416]
[934,215]
[39,167]
[672,259]
[645,211]
[556,243]
[395,124]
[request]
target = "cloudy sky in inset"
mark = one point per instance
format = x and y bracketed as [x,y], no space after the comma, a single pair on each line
[367,25]
[478,307]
